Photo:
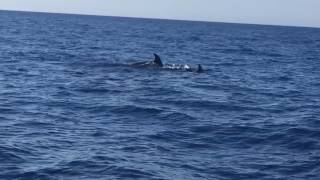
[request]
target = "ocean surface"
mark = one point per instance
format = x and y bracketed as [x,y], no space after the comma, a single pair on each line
[72,107]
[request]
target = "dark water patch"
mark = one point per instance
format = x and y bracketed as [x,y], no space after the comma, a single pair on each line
[136,149]
[198,145]
[32,175]
[98,91]
[7,157]
[129,173]
[175,116]
[135,110]
[13,154]
[204,129]
[214,106]
[35,123]
[7,111]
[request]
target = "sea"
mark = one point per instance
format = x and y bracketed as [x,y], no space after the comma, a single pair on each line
[72,107]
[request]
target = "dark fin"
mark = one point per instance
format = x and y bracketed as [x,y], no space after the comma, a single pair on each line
[157,60]
[200,69]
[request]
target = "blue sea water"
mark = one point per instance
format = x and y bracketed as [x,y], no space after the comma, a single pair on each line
[72,108]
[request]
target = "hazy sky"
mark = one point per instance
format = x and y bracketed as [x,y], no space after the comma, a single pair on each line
[278,12]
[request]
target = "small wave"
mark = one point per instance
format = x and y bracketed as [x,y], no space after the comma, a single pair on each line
[176,116]
[135,110]
[216,106]
[13,154]
[7,110]
[131,173]
[97,90]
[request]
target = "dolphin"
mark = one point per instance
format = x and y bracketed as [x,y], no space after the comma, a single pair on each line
[157,63]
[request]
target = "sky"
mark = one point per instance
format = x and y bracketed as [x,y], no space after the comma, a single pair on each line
[273,12]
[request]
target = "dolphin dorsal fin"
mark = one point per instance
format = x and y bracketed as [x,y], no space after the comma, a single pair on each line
[157,60]
[200,69]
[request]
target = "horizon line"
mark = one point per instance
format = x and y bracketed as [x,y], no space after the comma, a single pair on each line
[154,18]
